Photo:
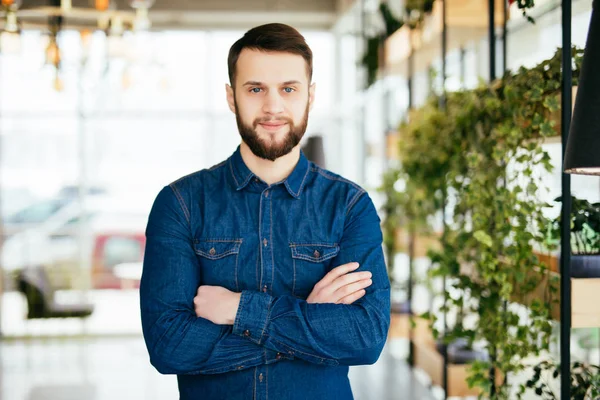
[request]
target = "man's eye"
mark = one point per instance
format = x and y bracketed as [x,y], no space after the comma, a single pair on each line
[288,89]
[255,90]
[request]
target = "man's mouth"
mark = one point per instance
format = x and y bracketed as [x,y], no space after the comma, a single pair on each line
[272,126]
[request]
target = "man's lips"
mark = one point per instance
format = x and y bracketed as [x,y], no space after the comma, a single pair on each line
[272,126]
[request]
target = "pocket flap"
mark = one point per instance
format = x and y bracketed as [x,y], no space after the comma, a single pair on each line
[314,252]
[214,249]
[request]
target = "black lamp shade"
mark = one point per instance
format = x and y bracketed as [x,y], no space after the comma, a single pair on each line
[314,150]
[582,155]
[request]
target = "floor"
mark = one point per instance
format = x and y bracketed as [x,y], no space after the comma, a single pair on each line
[117,368]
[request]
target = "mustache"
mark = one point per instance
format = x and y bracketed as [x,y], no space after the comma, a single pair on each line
[263,120]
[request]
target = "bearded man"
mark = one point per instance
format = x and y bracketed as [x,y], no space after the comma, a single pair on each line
[264,275]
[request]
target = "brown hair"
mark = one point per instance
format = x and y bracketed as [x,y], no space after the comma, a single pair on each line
[270,37]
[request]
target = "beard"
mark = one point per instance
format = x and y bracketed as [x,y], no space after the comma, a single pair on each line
[270,149]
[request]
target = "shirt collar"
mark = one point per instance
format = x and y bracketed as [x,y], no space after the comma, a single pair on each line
[242,175]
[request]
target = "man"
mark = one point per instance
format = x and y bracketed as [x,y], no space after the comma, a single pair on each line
[264,275]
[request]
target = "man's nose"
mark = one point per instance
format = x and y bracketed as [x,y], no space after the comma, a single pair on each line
[273,103]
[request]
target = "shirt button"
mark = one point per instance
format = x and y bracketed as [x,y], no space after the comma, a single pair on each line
[265,242]
[256,180]
[267,193]
[265,288]
[316,254]
[246,333]
[278,356]
[260,377]
[212,251]
[240,367]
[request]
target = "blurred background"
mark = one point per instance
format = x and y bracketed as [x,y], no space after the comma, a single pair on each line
[104,102]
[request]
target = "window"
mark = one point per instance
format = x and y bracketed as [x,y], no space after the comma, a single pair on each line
[119,250]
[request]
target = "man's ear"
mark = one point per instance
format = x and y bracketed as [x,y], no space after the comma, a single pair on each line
[311,96]
[230,99]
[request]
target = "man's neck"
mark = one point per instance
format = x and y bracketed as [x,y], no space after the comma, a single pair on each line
[270,171]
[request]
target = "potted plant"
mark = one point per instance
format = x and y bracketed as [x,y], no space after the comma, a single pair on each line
[585,381]
[585,237]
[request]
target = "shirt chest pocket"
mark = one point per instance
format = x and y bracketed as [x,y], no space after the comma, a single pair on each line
[311,262]
[218,260]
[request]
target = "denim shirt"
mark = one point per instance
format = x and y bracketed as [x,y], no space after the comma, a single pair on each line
[226,227]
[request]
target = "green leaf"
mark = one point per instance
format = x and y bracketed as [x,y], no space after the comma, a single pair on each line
[483,238]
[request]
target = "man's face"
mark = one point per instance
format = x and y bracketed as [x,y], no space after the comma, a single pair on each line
[271,101]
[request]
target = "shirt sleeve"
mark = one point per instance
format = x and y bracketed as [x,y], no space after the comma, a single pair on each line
[178,341]
[329,334]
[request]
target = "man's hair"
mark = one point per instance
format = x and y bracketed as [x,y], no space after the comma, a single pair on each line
[270,37]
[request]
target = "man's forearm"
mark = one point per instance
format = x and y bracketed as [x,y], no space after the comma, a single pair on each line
[328,334]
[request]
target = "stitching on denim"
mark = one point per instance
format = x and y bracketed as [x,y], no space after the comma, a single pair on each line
[247,180]
[216,370]
[294,244]
[188,176]
[237,286]
[232,174]
[262,334]
[186,212]
[218,256]
[260,246]
[335,362]
[236,322]
[257,263]
[287,185]
[336,178]
[354,200]
[303,180]
[254,389]
[214,167]
[315,260]
[271,241]
[294,281]
[211,240]
[267,379]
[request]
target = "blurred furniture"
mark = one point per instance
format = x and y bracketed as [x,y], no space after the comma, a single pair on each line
[314,150]
[35,285]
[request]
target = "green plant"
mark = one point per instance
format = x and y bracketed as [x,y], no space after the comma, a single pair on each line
[370,59]
[585,227]
[585,381]
[374,44]
[471,157]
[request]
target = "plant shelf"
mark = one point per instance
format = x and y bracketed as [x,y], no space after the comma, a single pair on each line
[465,22]
[585,295]
[429,359]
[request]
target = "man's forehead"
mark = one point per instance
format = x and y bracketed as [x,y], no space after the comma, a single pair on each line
[271,68]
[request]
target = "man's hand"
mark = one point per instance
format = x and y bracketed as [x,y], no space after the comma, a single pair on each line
[217,304]
[340,286]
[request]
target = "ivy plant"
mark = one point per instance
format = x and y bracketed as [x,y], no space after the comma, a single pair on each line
[471,156]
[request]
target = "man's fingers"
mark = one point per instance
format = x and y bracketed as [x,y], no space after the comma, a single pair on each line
[349,279]
[352,297]
[353,287]
[337,272]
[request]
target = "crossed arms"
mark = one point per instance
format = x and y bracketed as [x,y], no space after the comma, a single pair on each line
[337,324]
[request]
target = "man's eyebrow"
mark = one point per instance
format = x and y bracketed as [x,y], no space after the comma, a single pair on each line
[257,83]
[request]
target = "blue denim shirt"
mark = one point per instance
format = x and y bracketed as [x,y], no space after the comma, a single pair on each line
[225,227]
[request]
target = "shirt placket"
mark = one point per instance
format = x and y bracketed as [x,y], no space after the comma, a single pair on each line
[266,277]
[266,247]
